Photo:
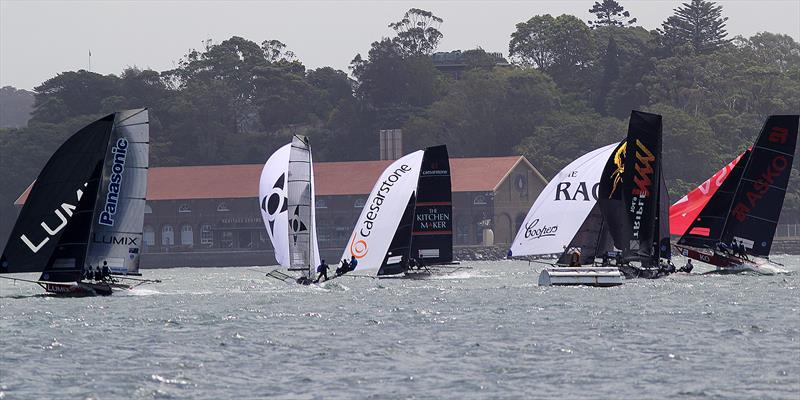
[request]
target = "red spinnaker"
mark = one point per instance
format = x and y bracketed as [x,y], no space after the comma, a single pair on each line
[685,210]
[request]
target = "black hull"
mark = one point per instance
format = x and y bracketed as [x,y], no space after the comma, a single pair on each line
[634,272]
[80,289]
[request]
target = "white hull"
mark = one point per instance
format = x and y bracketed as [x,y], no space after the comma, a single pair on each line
[586,276]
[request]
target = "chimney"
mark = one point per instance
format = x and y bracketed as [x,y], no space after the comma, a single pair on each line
[391,144]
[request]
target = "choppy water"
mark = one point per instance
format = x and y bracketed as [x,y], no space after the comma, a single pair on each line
[486,332]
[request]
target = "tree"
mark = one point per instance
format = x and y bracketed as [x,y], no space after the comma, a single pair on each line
[554,45]
[610,13]
[15,107]
[698,24]
[418,32]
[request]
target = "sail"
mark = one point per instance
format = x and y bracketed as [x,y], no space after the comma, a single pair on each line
[303,250]
[685,210]
[274,204]
[116,233]
[562,206]
[752,211]
[396,260]
[383,211]
[629,189]
[432,235]
[592,239]
[706,228]
[66,186]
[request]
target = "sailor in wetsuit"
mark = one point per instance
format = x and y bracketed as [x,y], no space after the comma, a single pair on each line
[688,267]
[353,263]
[322,270]
[742,250]
[343,268]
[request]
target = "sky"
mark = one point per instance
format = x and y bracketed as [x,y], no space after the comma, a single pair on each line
[39,39]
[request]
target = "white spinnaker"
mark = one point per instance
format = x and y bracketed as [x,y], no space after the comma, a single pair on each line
[563,205]
[273,201]
[382,212]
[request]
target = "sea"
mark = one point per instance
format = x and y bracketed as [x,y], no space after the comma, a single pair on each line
[484,331]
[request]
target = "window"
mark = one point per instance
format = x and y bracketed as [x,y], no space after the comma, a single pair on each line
[187,236]
[359,203]
[148,209]
[149,236]
[321,204]
[479,200]
[184,208]
[227,240]
[167,235]
[222,207]
[206,235]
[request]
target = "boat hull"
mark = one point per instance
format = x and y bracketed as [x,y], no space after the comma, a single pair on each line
[79,289]
[728,264]
[581,276]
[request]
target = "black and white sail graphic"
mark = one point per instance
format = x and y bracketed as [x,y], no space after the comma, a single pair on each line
[432,234]
[303,251]
[747,206]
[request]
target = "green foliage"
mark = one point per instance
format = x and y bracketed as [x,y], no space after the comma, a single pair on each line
[555,45]
[698,24]
[15,107]
[610,13]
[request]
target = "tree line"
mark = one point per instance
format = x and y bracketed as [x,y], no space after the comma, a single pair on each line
[569,88]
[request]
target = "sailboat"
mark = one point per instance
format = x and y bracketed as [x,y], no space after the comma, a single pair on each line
[566,220]
[745,206]
[286,200]
[407,218]
[633,200]
[81,225]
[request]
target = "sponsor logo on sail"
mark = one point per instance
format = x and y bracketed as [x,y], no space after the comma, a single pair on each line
[275,203]
[63,217]
[113,239]
[619,161]
[534,232]
[643,181]
[358,248]
[120,153]
[580,192]
[760,187]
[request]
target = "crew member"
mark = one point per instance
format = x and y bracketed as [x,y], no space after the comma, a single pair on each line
[688,267]
[322,270]
[412,263]
[106,271]
[353,263]
[722,247]
[343,268]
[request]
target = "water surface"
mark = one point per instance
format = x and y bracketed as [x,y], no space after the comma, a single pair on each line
[483,332]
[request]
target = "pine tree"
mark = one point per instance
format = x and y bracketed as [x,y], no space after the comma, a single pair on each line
[699,24]
[610,13]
